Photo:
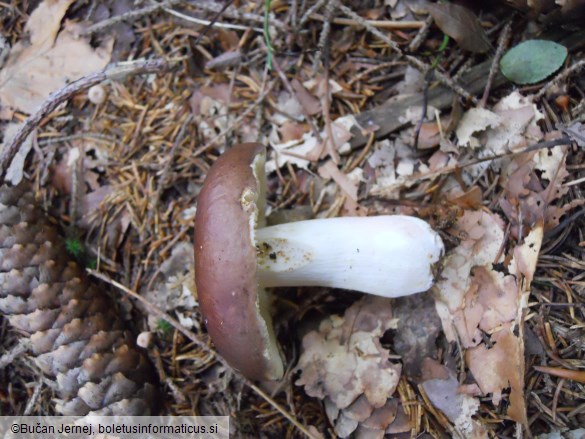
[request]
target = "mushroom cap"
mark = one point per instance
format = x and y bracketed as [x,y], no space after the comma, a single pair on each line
[234,308]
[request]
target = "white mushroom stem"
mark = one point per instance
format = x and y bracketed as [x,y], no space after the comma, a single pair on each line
[387,256]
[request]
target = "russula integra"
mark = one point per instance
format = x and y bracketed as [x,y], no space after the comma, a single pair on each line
[236,257]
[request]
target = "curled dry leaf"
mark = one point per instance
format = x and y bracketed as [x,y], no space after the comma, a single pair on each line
[512,124]
[344,363]
[309,148]
[461,24]
[473,121]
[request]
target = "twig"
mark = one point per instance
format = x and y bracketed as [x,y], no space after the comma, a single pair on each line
[113,72]
[280,409]
[457,167]
[414,62]
[128,16]
[559,78]
[421,35]
[324,36]
[30,405]
[370,28]
[381,24]
[158,313]
[231,12]
[502,44]
[310,12]
[209,22]
[325,46]
[428,78]
[443,79]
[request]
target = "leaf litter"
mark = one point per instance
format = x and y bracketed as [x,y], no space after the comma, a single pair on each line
[356,373]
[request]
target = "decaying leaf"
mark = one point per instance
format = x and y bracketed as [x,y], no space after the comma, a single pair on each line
[173,289]
[482,300]
[310,103]
[393,162]
[209,106]
[527,199]
[511,125]
[49,59]
[15,172]
[461,24]
[473,121]
[307,149]
[443,390]
[482,238]
[344,364]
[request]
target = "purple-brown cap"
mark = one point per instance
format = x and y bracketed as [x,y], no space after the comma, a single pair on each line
[235,309]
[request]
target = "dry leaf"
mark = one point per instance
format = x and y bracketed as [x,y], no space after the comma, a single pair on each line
[473,121]
[444,394]
[461,24]
[504,358]
[46,61]
[174,286]
[310,103]
[525,197]
[482,238]
[15,171]
[347,186]
[344,364]
[302,152]
[393,162]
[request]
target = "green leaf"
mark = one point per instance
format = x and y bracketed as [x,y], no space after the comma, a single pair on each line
[532,61]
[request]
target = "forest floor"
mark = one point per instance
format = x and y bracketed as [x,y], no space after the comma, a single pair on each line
[366,108]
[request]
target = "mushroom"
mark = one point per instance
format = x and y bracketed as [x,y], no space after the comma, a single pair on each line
[237,257]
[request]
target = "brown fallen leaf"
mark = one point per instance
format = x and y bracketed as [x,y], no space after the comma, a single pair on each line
[503,358]
[310,103]
[48,59]
[461,24]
